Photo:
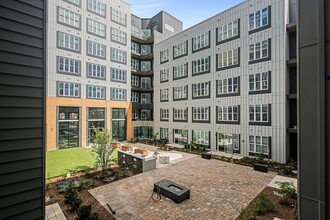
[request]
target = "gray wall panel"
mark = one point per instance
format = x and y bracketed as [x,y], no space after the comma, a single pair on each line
[22,101]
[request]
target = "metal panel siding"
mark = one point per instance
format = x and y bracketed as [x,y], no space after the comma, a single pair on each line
[22,63]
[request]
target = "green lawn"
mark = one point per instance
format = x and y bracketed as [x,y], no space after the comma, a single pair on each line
[60,162]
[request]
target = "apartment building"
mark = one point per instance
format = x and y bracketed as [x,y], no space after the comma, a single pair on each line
[88,71]
[145,32]
[225,83]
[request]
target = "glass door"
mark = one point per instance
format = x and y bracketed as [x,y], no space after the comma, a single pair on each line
[68,134]
[119,124]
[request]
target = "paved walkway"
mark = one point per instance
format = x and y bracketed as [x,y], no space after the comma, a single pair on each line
[54,212]
[219,190]
[278,178]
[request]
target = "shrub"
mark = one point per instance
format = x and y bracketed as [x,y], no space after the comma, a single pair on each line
[267,203]
[85,213]
[260,156]
[287,189]
[286,170]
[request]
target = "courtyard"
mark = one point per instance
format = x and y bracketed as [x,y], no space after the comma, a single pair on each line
[219,190]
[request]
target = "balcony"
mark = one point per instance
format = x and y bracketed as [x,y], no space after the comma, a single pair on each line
[149,40]
[140,73]
[292,62]
[291,27]
[149,56]
[136,105]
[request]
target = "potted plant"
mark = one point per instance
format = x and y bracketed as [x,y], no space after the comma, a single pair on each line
[260,166]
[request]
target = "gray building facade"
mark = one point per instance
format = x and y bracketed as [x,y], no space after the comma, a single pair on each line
[314,109]
[22,109]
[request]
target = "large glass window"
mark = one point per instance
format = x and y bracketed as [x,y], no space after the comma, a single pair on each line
[67,89]
[135,97]
[259,50]
[96,120]
[201,113]
[96,27]
[146,115]
[67,41]
[259,144]
[164,55]
[164,93]
[143,132]
[135,81]
[201,41]
[228,113]
[259,19]
[145,98]
[118,94]
[228,31]
[145,49]
[96,70]
[118,16]
[201,90]
[180,49]
[259,113]
[164,114]
[180,92]
[228,143]
[180,136]
[118,75]
[180,71]
[228,86]
[164,75]
[119,124]
[95,92]
[118,55]
[135,47]
[201,65]
[145,66]
[68,124]
[118,36]
[180,114]
[201,137]
[68,65]
[259,82]
[145,82]
[96,49]
[68,17]
[96,6]
[164,133]
[227,58]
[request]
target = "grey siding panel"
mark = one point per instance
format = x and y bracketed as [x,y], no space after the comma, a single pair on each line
[22,101]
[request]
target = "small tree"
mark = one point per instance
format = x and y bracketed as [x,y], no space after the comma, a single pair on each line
[102,147]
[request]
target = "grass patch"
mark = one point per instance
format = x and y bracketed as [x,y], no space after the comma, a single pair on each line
[60,162]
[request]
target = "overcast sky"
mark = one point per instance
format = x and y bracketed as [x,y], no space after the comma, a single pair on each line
[190,12]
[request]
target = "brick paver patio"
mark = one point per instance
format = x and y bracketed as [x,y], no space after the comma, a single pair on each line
[219,190]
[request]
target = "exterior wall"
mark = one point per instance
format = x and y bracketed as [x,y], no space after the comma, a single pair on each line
[277,66]
[314,109]
[53,76]
[22,109]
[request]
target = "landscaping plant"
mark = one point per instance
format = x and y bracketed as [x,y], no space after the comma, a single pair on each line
[102,147]
[85,213]
[288,190]
[260,156]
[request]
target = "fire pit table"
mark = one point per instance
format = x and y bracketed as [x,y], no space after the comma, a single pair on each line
[172,190]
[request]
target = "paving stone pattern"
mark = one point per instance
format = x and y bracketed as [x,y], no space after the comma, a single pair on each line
[218,190]
[54,212]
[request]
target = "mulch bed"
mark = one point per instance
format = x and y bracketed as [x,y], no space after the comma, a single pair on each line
[56,197]
[281,210]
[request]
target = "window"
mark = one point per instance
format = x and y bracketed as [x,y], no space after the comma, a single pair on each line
[180,71]
[145,98]
[259,20]
[228,87]
[259,114]
[228,143]
[68,65]
[135,97]
[135,81]
[228,114]
[96,49]
[66,89]
[118,55]
[180,114]
[135,115]
[69,18]
[201,66]
[146,115]
[145,82]
[145,66]
[201,90]
[96,70]
[95,92]
[118,124]
[145,49]
[164,75]
[180,136]
[96,120]
[118,75]
[164,133]
[135,31]
[259,144]
[228,31]
[259,51]
[135,48]
[164,94]
[180,50]
[67,41]
[180,92]
[146,33]
[118,94]
[134,64]
[96,6]
[164,56]
[201,41]
[95,27]
[164,114]
[118,16]
[259,82]
[201,113]
[201,137]
[68,127]
[118,36]
[228,59]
